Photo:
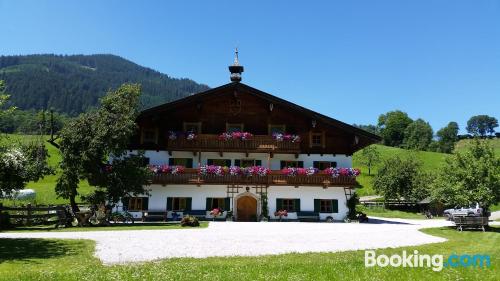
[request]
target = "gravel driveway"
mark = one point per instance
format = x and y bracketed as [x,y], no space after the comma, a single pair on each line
[248,239]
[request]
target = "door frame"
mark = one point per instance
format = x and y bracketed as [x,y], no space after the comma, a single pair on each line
[244,194]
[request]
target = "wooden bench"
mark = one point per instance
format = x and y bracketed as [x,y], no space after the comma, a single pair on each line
[462,222]
[307,216]
[200,214]
[154,216]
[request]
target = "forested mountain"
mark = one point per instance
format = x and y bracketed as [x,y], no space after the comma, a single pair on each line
[73,84]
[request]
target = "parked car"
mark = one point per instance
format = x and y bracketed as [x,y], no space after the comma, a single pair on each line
[471,210]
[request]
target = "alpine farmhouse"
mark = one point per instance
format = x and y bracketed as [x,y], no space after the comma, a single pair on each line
[242,150]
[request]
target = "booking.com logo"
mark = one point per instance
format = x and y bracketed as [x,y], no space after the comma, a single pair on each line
[436,262]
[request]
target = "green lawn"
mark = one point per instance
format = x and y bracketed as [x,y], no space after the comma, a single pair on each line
[386,213]
[44,188]
[136,226]
[430,161]
[48,259]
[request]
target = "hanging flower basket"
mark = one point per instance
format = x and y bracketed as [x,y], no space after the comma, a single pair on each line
[336,172]
[286,137]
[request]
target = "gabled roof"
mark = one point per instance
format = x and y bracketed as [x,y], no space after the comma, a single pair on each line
[273,99]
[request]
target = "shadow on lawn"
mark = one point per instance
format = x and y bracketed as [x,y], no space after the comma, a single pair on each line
[382,221]
[27,249]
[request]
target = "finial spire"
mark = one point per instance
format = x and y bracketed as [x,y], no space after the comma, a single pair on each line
[236,62]
[236,69]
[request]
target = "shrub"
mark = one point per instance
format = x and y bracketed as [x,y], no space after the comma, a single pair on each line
[190,221]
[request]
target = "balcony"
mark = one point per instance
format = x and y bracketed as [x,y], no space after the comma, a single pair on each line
[191,176]
[258,143]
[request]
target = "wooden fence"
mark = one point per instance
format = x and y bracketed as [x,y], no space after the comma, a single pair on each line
[31,215]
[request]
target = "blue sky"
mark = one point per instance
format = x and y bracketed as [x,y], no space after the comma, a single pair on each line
[352,60]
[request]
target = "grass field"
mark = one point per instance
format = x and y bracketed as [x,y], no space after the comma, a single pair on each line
[430,161]
[386,213]
[44,188]
[48,259]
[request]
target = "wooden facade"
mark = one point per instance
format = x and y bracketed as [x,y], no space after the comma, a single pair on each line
[236,105]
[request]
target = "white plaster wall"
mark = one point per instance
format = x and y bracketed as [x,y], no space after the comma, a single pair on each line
[306,194]
[161,157]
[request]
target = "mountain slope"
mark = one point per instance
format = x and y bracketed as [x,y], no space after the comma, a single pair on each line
[73,84]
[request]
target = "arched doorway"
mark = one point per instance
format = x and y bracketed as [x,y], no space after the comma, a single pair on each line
[246,208]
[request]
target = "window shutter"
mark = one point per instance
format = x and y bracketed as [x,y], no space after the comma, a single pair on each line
[169,203]
[333,164]
[237,162]
[228,162]
[145,203]
[297,205]
[209,204]
[210,161]
[258,162]
[300,164]
[170,161]
[317,205]
[283,164]
[125,203]
[189,163]
[227,204]
[189,201]
[316,165]
[279,204]
[335,206]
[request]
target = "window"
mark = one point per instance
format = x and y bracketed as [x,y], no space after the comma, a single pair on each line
[136,204]
[325,206]
[321,165]
[178,204]
[186,162]
[192,126]
[292,164]
[149,136]
[237,127]
[289,205]
[317,139]
[247,163]
[219,162]
[220,203]
[273,128]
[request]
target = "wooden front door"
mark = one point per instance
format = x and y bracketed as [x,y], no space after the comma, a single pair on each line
[247,208]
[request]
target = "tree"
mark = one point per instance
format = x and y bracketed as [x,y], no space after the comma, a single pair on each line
[392,127]
[447,137]
[21,163]
[470,176]
[369,128]
[369,156]
[480,125]
[94,147]
[418,135]
[402,178]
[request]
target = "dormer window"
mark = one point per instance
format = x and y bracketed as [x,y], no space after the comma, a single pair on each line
[276,128]
[149,136]
[192,127]
[234,127]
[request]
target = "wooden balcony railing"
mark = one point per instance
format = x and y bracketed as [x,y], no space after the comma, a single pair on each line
[191,176]
[258,143]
